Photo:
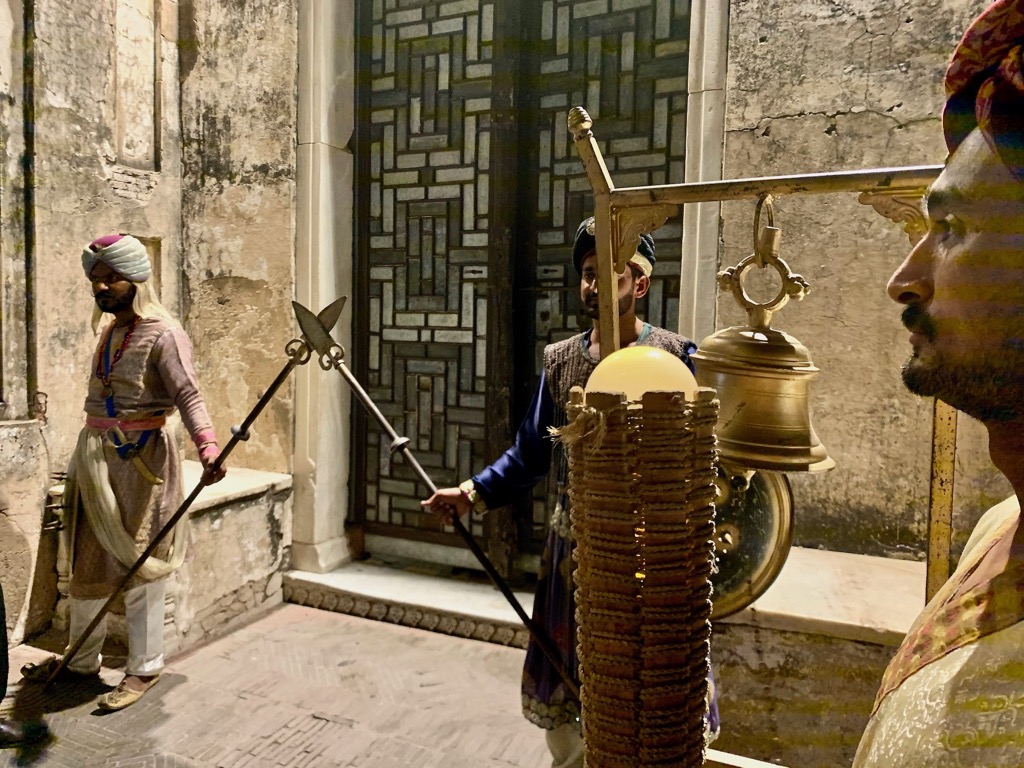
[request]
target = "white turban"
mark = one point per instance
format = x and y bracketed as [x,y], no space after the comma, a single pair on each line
[122,253]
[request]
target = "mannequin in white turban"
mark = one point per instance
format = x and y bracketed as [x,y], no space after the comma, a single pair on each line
[124,481]
[127,256]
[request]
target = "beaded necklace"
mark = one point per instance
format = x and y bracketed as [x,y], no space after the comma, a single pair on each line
[104,365]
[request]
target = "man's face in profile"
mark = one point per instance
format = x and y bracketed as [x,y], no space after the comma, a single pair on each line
[963,287]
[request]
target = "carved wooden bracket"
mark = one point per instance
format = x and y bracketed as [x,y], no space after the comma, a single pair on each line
[902,206]
[631,222]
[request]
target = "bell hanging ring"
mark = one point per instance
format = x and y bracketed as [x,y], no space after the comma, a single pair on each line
[762,374]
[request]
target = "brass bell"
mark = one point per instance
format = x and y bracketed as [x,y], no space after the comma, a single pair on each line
[762,374]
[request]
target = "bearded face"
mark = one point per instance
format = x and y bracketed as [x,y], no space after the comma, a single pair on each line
[963,287]
[112,292]
[988,391]
[629,282]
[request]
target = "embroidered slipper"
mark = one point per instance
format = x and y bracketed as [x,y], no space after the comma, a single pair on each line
[123,696]
[43,670]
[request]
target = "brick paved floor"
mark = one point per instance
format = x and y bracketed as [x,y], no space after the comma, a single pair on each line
[297,688]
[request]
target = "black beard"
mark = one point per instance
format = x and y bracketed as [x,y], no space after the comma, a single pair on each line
[592,309]
[992,393]
[112,305]
[988,395]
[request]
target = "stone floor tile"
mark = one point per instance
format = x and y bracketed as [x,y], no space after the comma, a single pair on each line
[298,688]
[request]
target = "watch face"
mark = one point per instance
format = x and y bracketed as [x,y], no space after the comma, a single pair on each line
[753,535]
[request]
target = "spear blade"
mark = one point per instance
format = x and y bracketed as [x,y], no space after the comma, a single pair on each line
[313,328]
[328,316]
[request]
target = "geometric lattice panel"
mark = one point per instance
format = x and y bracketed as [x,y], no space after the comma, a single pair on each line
[429,75]
[426,152]
[625,61]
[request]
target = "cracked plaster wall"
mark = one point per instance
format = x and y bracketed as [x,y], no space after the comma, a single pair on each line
[239,82]
[826,85]
[27,558]
[82,191]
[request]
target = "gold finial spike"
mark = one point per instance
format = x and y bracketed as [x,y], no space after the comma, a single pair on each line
[579,123]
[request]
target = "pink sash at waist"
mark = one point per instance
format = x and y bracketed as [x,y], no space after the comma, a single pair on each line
[126,425]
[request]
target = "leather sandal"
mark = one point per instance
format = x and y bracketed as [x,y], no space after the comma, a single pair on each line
[123,696]
[42,671]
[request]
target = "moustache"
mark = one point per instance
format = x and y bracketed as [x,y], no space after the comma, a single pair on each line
[917,320]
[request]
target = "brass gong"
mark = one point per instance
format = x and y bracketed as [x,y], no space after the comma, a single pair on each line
[753,535]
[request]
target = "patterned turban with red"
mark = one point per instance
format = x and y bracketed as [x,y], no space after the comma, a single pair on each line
[985,84]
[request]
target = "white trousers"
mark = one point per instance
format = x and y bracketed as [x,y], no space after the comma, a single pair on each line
[566,746]
[144,614]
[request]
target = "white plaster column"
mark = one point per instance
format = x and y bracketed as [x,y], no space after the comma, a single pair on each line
[705,144]
[324,267]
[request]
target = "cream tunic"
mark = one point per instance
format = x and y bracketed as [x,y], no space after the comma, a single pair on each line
[964,710]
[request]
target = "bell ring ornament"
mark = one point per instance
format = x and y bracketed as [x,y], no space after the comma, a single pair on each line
[764,428]
[762,374]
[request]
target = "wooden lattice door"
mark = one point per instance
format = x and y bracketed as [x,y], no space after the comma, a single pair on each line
[469,192]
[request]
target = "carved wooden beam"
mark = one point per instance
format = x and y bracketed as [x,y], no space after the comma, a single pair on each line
[632,222]
[902,206]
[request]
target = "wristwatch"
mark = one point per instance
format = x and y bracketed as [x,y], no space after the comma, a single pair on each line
[469,491]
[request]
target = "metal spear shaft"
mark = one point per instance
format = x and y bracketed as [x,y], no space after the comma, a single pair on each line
[299,353]
[332,356]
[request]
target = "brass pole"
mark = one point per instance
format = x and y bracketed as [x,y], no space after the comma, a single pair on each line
[940,500]
[607,281]
[601,182]
[910,177]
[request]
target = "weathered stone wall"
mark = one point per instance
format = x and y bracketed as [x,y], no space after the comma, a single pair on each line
[821,86]
[793,698]
[15,310]
[226,583]
[28,570]
[22,455]
[91,180]
[238,91]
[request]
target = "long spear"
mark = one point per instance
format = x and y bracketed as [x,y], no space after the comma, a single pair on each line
[332,355]
[299,352]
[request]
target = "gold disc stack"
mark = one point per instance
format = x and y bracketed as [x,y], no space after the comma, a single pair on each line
[642,488]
